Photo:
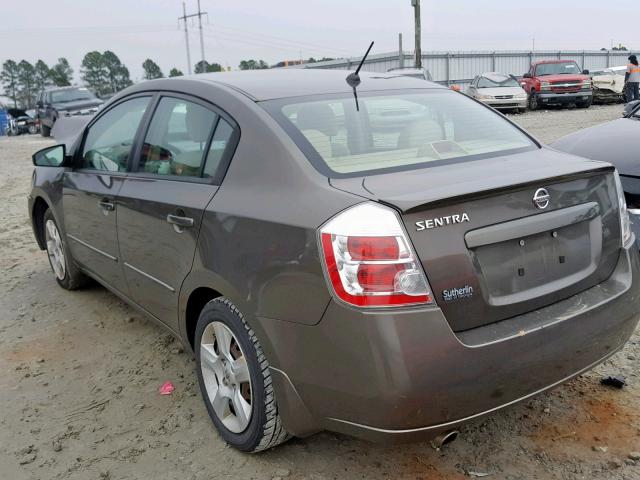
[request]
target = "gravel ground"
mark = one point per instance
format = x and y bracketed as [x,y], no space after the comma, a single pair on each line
[80,372]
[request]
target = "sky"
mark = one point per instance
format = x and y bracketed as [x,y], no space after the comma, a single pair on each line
[275,30]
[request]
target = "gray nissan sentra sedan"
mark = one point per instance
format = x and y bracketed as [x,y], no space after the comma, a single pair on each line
[387,265]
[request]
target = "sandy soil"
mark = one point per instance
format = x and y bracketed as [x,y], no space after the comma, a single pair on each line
[80,372]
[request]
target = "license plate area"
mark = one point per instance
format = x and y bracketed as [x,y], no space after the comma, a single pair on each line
[555,250]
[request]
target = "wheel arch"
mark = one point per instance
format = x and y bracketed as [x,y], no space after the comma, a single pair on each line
[199,288]
[40,206]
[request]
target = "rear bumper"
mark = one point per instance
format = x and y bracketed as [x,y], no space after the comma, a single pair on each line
[404,375]
[562,98]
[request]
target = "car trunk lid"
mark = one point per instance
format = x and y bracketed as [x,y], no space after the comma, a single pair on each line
[488,251]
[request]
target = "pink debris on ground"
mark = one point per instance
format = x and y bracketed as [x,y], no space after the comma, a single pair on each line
[167,388]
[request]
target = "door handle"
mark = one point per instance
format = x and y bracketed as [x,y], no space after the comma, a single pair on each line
[106,206]
[179,222]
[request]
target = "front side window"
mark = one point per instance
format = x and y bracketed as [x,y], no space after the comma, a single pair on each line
[567,68]
[109,140]
[395,131]
[177,140]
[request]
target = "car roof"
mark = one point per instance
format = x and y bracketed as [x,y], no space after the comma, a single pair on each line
[70,87]
[553,61]
[271,84]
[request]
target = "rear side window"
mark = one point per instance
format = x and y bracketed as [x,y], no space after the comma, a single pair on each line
[109,140]
[396,131]
[221,139]
[177,140]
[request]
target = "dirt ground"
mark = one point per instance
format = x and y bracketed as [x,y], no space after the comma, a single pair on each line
[80,372]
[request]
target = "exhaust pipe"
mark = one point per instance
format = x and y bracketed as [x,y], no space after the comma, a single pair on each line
[444,438]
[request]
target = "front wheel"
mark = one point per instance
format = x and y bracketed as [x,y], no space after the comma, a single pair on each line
[235,381]
[533,101]
[585,104]
[67,274]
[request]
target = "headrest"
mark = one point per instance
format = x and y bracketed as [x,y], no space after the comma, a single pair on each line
[198,122]
[318,117]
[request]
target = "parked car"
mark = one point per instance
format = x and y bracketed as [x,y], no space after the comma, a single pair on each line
[421,73]
[500,91]
[613,142]
[557,82]
[608,84]
[387,283]
[64,102]
[20,122]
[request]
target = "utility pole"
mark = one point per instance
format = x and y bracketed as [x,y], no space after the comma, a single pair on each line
[200,13]
[416,10]
[400,52]
[186,35]
[184,18]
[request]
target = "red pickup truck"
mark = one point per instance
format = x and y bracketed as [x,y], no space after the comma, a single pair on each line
[557,82]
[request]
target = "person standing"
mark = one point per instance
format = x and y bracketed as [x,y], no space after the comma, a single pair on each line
[632,79]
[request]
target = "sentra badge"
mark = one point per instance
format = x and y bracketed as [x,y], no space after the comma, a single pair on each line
[441,222]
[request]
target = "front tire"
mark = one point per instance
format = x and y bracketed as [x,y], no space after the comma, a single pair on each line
[533,101]
[67,274]
[235,380]
[585,104]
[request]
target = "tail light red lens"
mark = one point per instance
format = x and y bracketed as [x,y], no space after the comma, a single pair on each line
[373,248]
[369,260]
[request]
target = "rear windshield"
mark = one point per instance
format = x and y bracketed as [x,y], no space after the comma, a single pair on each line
[71,95]
[392,132]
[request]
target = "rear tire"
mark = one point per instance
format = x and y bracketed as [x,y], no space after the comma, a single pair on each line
[232,368]
[67,274]
[45,131]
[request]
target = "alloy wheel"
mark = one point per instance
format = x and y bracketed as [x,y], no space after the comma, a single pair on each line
[55,249]
[226,376]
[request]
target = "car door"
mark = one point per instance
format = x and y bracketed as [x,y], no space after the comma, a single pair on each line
[91,188]
[186,145]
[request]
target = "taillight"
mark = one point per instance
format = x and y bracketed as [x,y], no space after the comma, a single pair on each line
[369,260]
[625,222]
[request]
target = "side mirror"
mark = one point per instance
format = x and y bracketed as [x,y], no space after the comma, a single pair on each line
[527,75]
[50,156]
[585,72]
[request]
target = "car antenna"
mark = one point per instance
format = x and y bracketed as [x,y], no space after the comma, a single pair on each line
[353,79]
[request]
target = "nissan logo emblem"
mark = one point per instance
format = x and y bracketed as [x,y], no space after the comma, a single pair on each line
[541,198]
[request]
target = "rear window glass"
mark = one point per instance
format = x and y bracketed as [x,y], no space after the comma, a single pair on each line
[395,131]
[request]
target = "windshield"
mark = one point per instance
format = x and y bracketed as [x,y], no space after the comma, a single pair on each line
[71,95]
[394,131]
[566,68]
[497,82]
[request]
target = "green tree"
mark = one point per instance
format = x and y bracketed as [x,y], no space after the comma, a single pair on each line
[151,70]
[117,73]
[41,76]
[9,80]
[26,84]
[61,73]
[253,65]
[175,73]
[206,67]
[94,73]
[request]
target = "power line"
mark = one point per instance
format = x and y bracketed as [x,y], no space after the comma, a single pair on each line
[184,18]
[275,39]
